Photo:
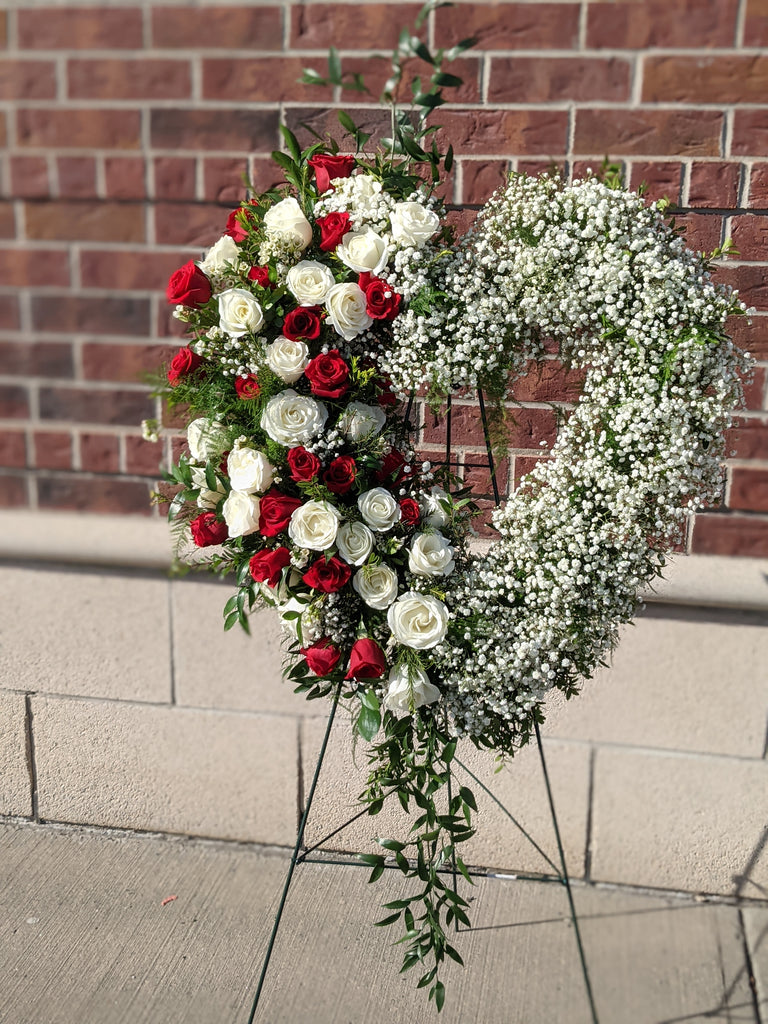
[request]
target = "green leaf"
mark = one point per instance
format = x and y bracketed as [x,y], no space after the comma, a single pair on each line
[377,872]
[439,995]
[372,859]
[311,77]
[292,143]
[449,751]
[429,100]
[412,149]
[448,161]
[334,66]
[284,161]
[368,723]
[230,621]
[391,844]
[454,954]
[450,81]
[468,797]
[346,122]
[386,920]
[421,51]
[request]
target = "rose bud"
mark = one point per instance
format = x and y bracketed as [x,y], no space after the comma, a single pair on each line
[302,465]
[183,363]
[326,167]
[267,566]
[275,512]
[329,576]
[328,375]
[207,530]
[333,227]
[302,324]
[188,286]
[366,660]
[340,475]
[247,387]
[322,657]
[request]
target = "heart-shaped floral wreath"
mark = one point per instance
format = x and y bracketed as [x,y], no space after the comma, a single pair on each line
[312,319]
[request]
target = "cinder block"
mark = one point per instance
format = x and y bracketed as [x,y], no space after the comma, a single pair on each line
[85,634]
[684,683]
[205,773]
[226,670]
[15,788]
[682,822]
[498,842]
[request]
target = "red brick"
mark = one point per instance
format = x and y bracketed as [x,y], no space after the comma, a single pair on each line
[189,223]
[491,132]
[143,457]
[7,220]
[125,177]
[476,473]
[77,177]
[558,79]
[87,222]
[223,179]
[325,121]
[714,184]
[755,390]
[555,168]
[730,535]
[13,492]
[36,359]
[29,177]
[752,336]
[13,449]
[729,79]
[166,325]
[703,232]
[79,314]
[662,180]
[750,133]
[109,406]
[81,493]
[99,453]
[750,280]
[749,489]
[258,80]
[212,130]
[129,79]
[10,319]
[3,29]
[80,28]
[27,79]
[756,23]
[264,174]
[22,268]
[758,186]
[526,428]
[646,132]
[319,26]
[548,381]
[52,450]
[137,270]
[750,236]
[513,26]
[14,402]
[175,177]
[216,27]
[747,439]
[376,71]
[683,24]
[481,178]
[80,129]
[128,363]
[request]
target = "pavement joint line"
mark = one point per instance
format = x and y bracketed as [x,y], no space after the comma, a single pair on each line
[186,841]
[30,752]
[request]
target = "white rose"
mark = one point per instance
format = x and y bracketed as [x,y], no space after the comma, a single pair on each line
[409,688]
[205,439]
[219,255]
[241,513]
[239,312]
[436,514]
[377,585]
[418,620]
[366,186]
[285,219]
[363,251]
[413,224]
[207,498]
[379,509]
[306,617]
[355,542]
[346,305]
[287,359]
[431,555]
[314,525]
[292,419]
[249,470]
[310,282]
[360,420]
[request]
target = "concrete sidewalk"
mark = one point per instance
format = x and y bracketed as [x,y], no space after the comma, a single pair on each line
[86,939]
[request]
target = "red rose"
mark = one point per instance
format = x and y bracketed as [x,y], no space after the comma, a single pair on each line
[247,387]
[326,167]
[387,396]
[302,324]
[207,530]
[340,475]
[410,512]
[391,471]
[275,511]
[260,275]
[381,302]
[188,286]
[303,465]
[322,657]
[183,363]
[328,375]
[366,660]
[332,230]
[267,566]
[327,576]
[235,223]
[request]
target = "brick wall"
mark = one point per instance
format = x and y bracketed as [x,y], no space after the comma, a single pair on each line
[128,127]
